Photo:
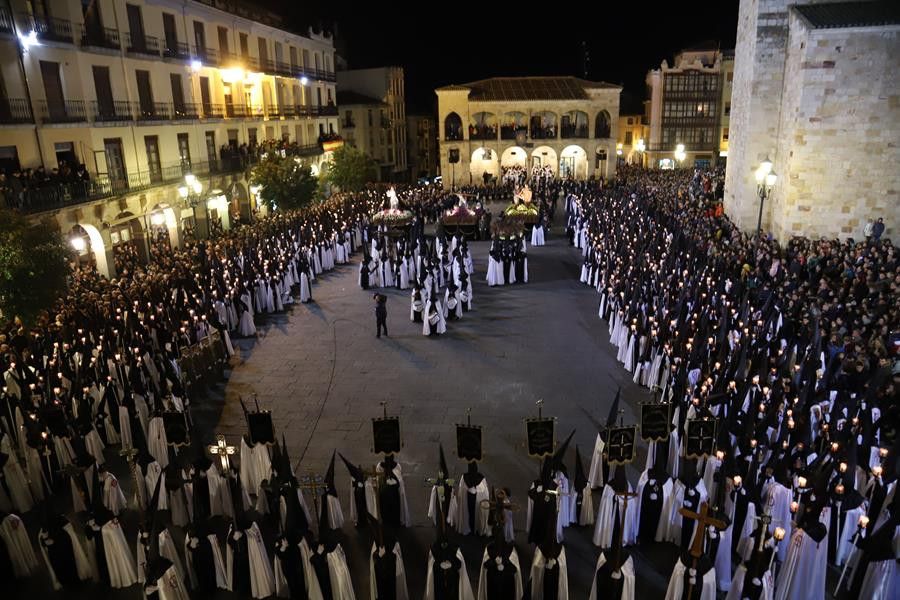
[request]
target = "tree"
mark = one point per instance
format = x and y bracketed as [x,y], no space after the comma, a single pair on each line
[34,265]
[284,183]
[350,169]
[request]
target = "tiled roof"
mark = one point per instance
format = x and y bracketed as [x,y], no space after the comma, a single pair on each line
[530,88]
[851,14]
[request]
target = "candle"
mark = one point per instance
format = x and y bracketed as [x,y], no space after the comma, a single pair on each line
[779,533]
[863,521]
[737,481]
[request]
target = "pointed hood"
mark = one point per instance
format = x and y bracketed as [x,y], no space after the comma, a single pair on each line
[614,409]
[581,480]
[355,472]
[559,455]
[330,488]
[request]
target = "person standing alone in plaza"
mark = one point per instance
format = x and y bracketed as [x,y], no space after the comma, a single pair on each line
[380,314]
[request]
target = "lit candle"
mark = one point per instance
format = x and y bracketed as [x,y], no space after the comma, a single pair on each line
[737,481]
[779,533]
[801,481]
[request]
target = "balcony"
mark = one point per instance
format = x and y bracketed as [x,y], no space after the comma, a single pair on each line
[510,132]
[70,111]
[154,111]
[55,196]
[117,111]
[49,29]
[176,50]
[483,132]
[288,111]
[309,150]
[273,112]
[213,111]
[141,44]
[185,110]
[15,110]
[235,111]
[254,112]
[571,131]
[348,124]
[327,111]
[101,37]
[227,59]
[6,21]
[282,68]
[266,65]
[543,133]
[208,56]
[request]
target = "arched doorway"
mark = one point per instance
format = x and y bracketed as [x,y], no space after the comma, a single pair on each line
[239,202]
[453,127]
[573,163]
[128,243]
[484,166]
[514,156]
[544,161]
[90,249]
[163,231]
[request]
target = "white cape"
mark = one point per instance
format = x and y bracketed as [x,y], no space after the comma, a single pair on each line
[676,589]
[627,571]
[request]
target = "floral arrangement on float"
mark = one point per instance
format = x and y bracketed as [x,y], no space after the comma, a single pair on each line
[460,214]
[393,215]
[522,206]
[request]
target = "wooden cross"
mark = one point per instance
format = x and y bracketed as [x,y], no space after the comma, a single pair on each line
[130,454]
[703,521]
[315,484]
[222,450]
[499,505]
[617,560]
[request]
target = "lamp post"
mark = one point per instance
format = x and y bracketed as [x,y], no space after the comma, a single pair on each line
[190,193]
[765,181]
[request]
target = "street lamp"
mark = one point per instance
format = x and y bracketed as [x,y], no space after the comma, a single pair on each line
[765,181]
[680,154]
[640,146]
[190,193]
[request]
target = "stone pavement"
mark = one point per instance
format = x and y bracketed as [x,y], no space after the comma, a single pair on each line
[323,373]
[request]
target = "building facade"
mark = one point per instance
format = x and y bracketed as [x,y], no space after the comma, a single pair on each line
[688,106]
[365,125]
[817,91]
[564,123]
[385,84]
[421,139]
[631,144]
[143,94]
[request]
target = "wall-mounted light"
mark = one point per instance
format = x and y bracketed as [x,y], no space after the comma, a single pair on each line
[304,80]
[78,243]
[28,40]
[196,65]
[157,219]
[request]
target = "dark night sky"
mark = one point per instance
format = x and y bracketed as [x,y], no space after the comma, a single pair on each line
[624,39]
